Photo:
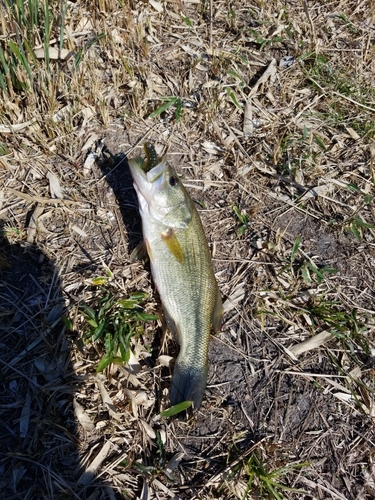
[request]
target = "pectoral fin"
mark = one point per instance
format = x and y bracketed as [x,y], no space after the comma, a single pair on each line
[170,239]
[141,251]
[217,313]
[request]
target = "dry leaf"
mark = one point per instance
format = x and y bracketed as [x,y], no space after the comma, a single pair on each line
[25,416]
[248,125]
[322,190]
[62,113]
[106,398]
[211,148]
[234,298]
[82,416]
[164,360]
[133,364]
[54,186]
[90,142]
[54,53]
[269,74]
[149,430]
[89,473]
[89,162]
[79,231]
[8,129]
[311,343]
[156,5]
[33,224]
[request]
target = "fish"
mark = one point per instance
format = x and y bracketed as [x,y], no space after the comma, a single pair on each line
[181,269]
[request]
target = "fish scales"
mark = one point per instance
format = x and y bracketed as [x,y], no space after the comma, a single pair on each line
[182,271]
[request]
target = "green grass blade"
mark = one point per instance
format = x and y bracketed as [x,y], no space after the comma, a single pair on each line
[47,32]
[295,248]
[81,52]
[16,51]
[89,311]
[359,222]
[33,14]
[105,361]
[4,64]
[100,280]
[163,107]
[100,329]
[138,296]
[3,148]
[142,316]
[233,97]
[19,53]
[30,51]
[178,110]
[128,303]
[3,84]
[173,410]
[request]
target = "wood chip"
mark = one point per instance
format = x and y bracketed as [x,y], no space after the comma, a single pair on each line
[353,134]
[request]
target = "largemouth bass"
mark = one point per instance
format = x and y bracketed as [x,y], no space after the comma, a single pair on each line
[181,269]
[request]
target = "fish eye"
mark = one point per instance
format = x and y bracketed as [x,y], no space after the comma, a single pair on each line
[173,181]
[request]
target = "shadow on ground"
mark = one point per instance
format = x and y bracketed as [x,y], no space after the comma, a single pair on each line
[116,170]
[39,450]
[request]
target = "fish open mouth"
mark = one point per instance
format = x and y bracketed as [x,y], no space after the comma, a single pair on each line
[149,169]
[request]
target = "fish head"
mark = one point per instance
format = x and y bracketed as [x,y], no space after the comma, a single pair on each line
[161,194]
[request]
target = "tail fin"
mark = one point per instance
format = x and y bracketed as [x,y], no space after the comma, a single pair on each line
[188,384]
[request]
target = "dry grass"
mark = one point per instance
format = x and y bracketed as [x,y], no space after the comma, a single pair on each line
[291,381]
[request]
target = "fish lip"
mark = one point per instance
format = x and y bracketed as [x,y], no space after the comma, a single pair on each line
[155,173]
[140,177]
[138,174]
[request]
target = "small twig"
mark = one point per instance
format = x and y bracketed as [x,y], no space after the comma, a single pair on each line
[211,25]
[306,9]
